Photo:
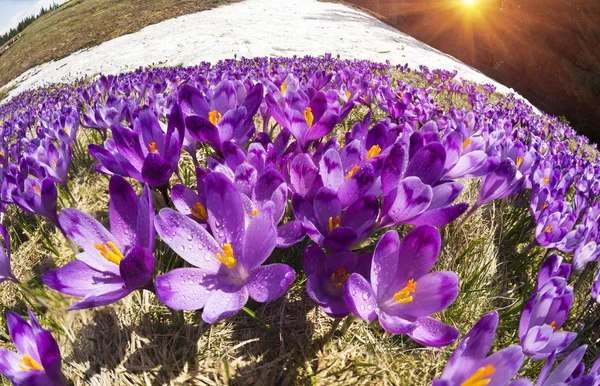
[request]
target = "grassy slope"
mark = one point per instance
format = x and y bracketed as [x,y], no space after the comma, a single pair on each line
[139,342]
[82,24]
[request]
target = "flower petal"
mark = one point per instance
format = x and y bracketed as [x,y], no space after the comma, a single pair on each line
[269,282]
[186,288]
[432,332]
[360,297]
[224,302]
[225,211]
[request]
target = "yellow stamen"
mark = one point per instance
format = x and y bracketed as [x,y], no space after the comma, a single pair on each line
[373,151]
[468,122]
[29,364]
[114,255]
[545,205]
[546,179]
[199,211]
[283,87]
[37,190]
[549,228]
[543,150]
[1,153]
[229,259]
[309,117]
[519,161]
[552,325]
[466,143]
[352,171]
[403,296]
[255,212]
[348,94]
[152,147]
[400,95]
[55,164]
[334,223]
[339,277]
[214,117]
[178,82]
[481,377]
[66,130]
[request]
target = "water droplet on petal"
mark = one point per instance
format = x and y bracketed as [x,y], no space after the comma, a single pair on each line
[365,296]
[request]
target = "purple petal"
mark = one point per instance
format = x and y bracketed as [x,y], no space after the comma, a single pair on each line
[327,206]
[137,268]
[396,324]
[122,210]
[432,332]
[506,363]
[360,297]
[78,279]
[440,216]
[22,335]
[332,171]
[564,370]
[357,185]
[427,163]
[435,292]
[385,263]
[225,211]
[259,240]
[188,239]
[290,233]
[156,171]
[101,298]
[186,288]
[224,302]
[269,282]
[145,233]
[409,200]
[313,259]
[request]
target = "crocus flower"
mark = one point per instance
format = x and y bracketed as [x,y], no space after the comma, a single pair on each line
[227,263]
[112,264]
[501,183]
[5,271]
[402,292]
[542,318]
[37,360]
[470,364]
[566,372]
[38,197]
[326,277]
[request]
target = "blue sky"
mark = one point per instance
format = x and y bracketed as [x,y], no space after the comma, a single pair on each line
[13,11]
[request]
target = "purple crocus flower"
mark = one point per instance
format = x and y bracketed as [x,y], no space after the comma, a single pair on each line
[37,197]
[501,183]
[543,316]
[326,224]
[326,277]
[569,371]
[37,360]
[5,271]
[227,263]
[470,364]
[112,264]
[402,292]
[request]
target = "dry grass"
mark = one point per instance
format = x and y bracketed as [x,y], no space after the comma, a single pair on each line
[80,24]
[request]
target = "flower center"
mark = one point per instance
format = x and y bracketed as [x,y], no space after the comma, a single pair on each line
[37,190]
[549,228]
[1,153]
[546,179]
[552,325]
[54,163]
[543,151]
[152,147]
[199,211]
[255,212]
[309,117]
[466,143]
[28,363]
[520,161]
[545,205]
[214,117]
[348,94]
[373,151]
[352,171]
[339,277]
[404,295]
[113,255]
[283,87]
[481,377]
[334,223]
[227,258]
[66,130]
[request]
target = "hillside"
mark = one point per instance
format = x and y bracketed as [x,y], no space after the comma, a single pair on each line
[80,24]
[545,50]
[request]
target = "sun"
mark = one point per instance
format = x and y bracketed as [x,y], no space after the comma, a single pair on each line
[469,3]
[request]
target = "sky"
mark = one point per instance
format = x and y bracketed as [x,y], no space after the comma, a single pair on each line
[13,11]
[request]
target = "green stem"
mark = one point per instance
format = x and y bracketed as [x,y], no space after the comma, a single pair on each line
[253,315]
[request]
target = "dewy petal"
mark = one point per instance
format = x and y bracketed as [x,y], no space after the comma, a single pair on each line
[122,210]
[137,267]
[357,185]
[259,239]
[78,279]
[225,211]
[304,176]
[360,297]
[331,170]
[186,288]
[86,232]
[290,233]
[396,324]
[326,206]
[313,259]
[440,216]
[361,215]
[432,332]
[385,263]
[202,130]
[393,168]
[224,302]
[145,233]
[269,282]
[188,239]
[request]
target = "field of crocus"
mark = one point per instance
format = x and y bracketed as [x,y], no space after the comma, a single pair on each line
[295,221]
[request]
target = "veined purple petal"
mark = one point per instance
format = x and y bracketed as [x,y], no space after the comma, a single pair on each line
[100,298]
[259,239]
[385,263]
[332,171]
[78,279]
[360,297]
[156,171]
[290,233]
[137,267]
[224,302]
[427,163]
[269,282]
[408,200]
[432,332]
[122,210]
[225,211]
[186,288]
